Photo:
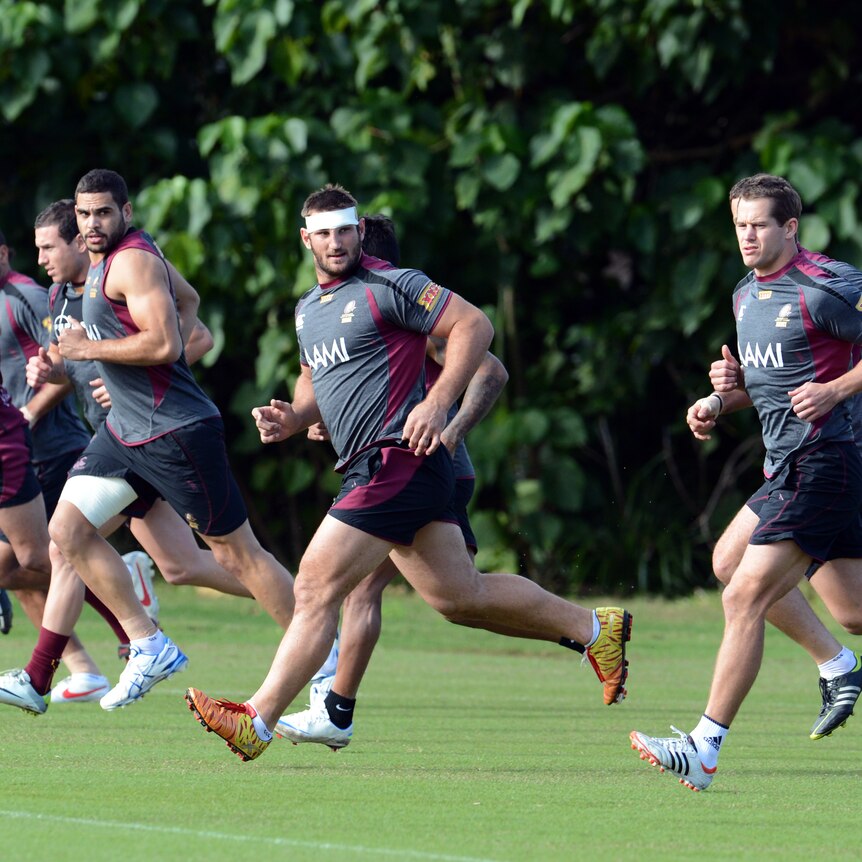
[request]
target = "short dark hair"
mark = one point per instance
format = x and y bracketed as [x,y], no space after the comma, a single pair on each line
[62,214]
[101,180]
[331,197]
[786,202]
[380,239]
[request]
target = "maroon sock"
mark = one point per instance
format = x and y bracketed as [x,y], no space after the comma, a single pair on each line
[100,607]
[45,659]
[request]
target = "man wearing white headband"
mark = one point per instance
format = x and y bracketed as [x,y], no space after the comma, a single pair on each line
[362,334]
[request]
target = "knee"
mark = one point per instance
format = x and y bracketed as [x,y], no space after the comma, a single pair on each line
[175,575]
[34,559]
[851,620]
[69,533]
[455,609]
[723,565]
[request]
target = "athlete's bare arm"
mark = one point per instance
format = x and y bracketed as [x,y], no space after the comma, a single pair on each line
[46,366]
[45,399]
[199,343]
[139,279]
[479,397]
[280,419]
[468,333]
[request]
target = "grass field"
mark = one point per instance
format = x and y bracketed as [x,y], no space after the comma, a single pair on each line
[468,748]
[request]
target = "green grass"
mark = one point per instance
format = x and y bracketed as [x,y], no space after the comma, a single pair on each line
[467,747]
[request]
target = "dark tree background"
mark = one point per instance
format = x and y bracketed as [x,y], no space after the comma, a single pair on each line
[562,163]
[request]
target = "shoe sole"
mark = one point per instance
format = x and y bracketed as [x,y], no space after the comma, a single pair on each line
[24,708]
[621,692]
[650,758]
[183,665]
[822,735]
[245,758]
[332,746]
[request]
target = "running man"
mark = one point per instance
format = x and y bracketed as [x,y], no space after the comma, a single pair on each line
[332,697]
[162,433]
[363,331]
[797,323]
[838,582]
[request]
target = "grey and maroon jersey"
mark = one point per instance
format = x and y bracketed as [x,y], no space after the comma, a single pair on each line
[364,340]
[64,302]
[24,323]
[797,325]
[853,275]
[10,416]
[147,401]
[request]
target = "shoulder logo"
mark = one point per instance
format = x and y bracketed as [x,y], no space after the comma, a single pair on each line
[349,311]
[741,312]
[300,320]
[783,316]
[764,294]
[430,296]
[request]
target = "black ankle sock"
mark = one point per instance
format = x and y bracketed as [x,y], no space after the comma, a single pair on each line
[340,709]
[568,642]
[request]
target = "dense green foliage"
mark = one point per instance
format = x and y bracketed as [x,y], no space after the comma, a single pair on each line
[562,163]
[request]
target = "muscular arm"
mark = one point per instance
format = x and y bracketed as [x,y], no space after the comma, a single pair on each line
[199,343]
[45,399]
[468,333]
[141,280]
[479,397]
[188,305]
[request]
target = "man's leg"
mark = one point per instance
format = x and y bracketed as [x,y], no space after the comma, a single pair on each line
[329,718]
[167,538]
[337,558]
[839,585]
[441,570]
[240,554]
[153,656]
[765,574]
[791,614]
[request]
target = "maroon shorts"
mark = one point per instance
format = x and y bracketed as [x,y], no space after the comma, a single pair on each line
[391,493]
[18,482]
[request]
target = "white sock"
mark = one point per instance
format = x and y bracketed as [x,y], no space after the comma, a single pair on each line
[597,630]
[260,728]
[842,663]
[152,645]
[708,737]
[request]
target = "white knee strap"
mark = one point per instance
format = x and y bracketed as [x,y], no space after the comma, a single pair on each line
[98,498]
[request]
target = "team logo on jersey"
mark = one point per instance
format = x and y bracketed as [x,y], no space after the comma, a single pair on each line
[61,322]
[430,297]
[760,358]
[192,521]
[326,297]
[300,321]
[783,316]
[349,311]
[764,294]
[322,356]
[92,285]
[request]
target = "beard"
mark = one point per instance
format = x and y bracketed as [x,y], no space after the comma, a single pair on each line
[110,240]
[343,269]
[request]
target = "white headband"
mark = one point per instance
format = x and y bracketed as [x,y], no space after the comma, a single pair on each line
[331,219]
